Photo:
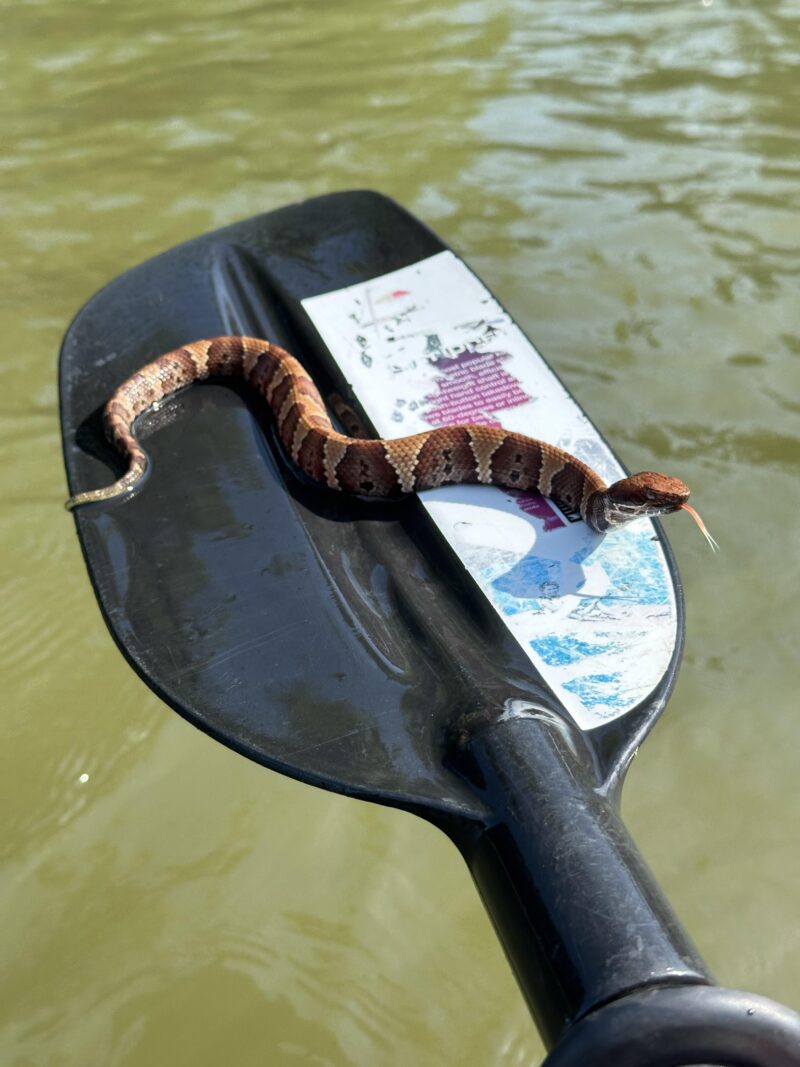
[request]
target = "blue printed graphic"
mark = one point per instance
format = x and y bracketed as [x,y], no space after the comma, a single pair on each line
[594,690]
[632,562]
[532,576]
[557,650]
[597,606]
[583,552]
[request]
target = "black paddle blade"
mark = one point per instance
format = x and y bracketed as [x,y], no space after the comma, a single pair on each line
[337,640]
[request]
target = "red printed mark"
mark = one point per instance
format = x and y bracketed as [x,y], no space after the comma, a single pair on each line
[396,294]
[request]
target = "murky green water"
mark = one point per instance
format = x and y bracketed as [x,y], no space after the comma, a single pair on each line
[625,178]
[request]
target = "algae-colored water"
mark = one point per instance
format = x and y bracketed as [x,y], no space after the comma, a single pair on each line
[626,178]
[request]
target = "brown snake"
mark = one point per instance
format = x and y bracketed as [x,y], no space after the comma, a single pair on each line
[447,455]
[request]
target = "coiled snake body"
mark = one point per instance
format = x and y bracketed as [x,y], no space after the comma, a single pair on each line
[382,468]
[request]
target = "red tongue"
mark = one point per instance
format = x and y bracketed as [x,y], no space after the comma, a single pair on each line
[701,524]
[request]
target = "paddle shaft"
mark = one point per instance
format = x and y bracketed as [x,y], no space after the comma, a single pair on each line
[578,912]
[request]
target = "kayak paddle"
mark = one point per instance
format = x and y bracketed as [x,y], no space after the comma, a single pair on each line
[474,655]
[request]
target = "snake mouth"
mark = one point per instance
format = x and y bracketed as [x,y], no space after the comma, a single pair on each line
[701,524]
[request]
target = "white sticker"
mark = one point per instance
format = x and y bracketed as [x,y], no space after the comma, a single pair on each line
[428,345]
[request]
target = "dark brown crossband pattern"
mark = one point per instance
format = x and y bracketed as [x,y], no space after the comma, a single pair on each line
[381,468]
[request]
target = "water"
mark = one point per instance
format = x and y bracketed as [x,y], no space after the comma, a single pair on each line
[625,178]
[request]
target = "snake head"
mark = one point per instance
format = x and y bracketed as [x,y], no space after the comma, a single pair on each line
[648,493]
[644,495]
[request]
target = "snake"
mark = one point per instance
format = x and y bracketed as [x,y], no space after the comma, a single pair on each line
[377,467]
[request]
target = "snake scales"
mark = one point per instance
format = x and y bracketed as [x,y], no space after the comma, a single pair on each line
[449,454]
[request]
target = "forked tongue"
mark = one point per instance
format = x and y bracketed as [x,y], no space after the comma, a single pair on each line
[702,525]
